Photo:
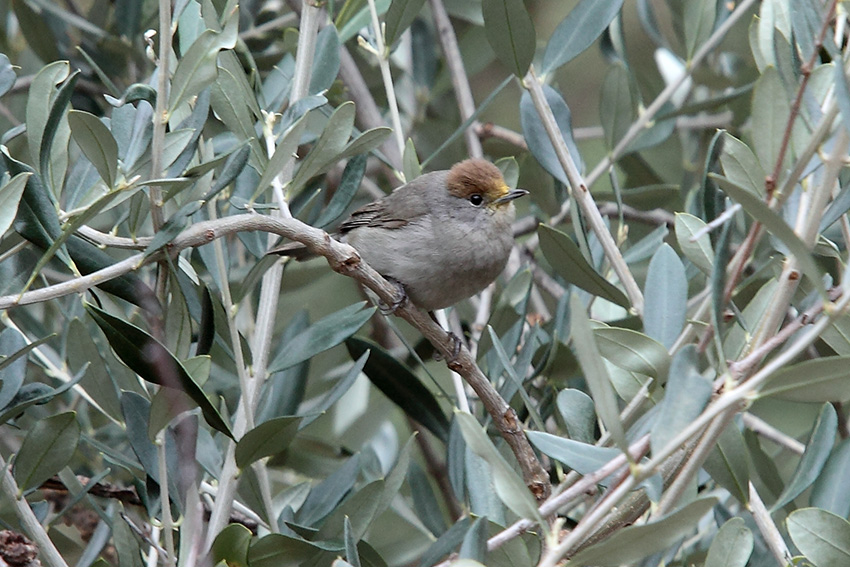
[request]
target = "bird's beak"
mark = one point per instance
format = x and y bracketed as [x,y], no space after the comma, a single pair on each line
[510,196]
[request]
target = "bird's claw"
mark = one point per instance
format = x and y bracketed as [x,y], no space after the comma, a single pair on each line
[457,342]
[401,298]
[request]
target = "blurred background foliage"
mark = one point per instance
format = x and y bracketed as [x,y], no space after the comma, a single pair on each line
[170,395]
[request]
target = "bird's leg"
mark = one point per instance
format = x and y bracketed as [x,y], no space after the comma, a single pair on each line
[456,342]
[401,295]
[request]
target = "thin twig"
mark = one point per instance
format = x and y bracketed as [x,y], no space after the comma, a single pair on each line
[768,528]
[766,430]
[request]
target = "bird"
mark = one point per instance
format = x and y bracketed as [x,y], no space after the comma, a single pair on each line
[442,237]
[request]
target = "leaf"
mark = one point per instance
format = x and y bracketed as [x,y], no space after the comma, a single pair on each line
[197,68]
[817,380]
[741,165]
[474,545]
[538,140]
[37,393]
[633,543]
[283,153]
[279,550]
[321,335]
[830,491]
[509,486]
[352,177]
[325,60]
[56,127]
[617,108]
[335,393]
[328,148]
[577,410]
[581,457]
[267,439]
[595,373]
[732,546]
[401,386]
[632,351]
[566,258]
[823,537]
[7,75]
[814,458]
[770,113]
[10,196]
[666,297]
[698,251]
[686,395]
[699,22]
[510,31]
[146,356]
[326,495]
[399,17]
[728,464]
[577,31]
[97,143]
[231,546]
[776,226]
[46,449]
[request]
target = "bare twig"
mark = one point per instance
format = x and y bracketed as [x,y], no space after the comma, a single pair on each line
[768,529]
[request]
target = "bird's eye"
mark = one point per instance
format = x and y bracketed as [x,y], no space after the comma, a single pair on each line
[476,200]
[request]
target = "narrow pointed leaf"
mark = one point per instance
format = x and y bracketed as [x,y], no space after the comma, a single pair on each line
[510,31]
[46,449]
[578,30]
[97,143]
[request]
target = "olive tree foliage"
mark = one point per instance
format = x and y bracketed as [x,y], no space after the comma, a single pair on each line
[658,378]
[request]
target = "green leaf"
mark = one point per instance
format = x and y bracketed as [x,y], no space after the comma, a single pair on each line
[197,68]
[728,463]
[578,413]
[581,457]
[279,550]
[265,440]
[46,449]
[566,258]
[149,359]
[10,196]
[818,380]
[776,226]
[814,458]
[617,107]
[509,486]
[823,537]
[283,152]
[686,395]
[56,127]
[633,543]
[335,393]
[410,165]
[39,394]
[510,31]
[326,495]
[538,140]
[474,545]
[577,31]
[770,113]
[831,491]
[698,251]
[97,143]
[666,297]
[231,546]
[42,97]
[349,183]
[7,75]
[126,544]
[595,373]
[328,148]
[399,17]
[632,351]
[321,335]
[325,60]
[699,22]
[732,546]
[741,165]
[401,386]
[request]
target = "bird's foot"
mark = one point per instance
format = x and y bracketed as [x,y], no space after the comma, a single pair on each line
[401,298]
[457,343]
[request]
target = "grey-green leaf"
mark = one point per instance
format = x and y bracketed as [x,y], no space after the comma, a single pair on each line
[267,439]
[97,143]
[399,17]
[46,449]
[581,457]
[566,258]
[510,31]
[578,30]
[823,537]
[818,380]
[10,196]
[579,415]
[698,250]
[732,546]
[831,491]
[666,297]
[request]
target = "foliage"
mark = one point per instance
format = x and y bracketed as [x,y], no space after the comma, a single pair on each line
[666,353]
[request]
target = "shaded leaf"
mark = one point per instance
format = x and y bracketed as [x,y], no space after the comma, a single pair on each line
[818,380]
[728,463]
[325,60]
[830,491]
[10,196]
[7,75]
[231,545]
[321,335]
[399,17]
[566,258]
[636,542]
[267,439]
[632,351]
[149,359]
[46,449]
[741,165]
[770,113]
[97,143]
[401,386]
[510,31]
[352,177]
[579,415]
[617,109]
[698,251]
[581,457]
[538,140]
